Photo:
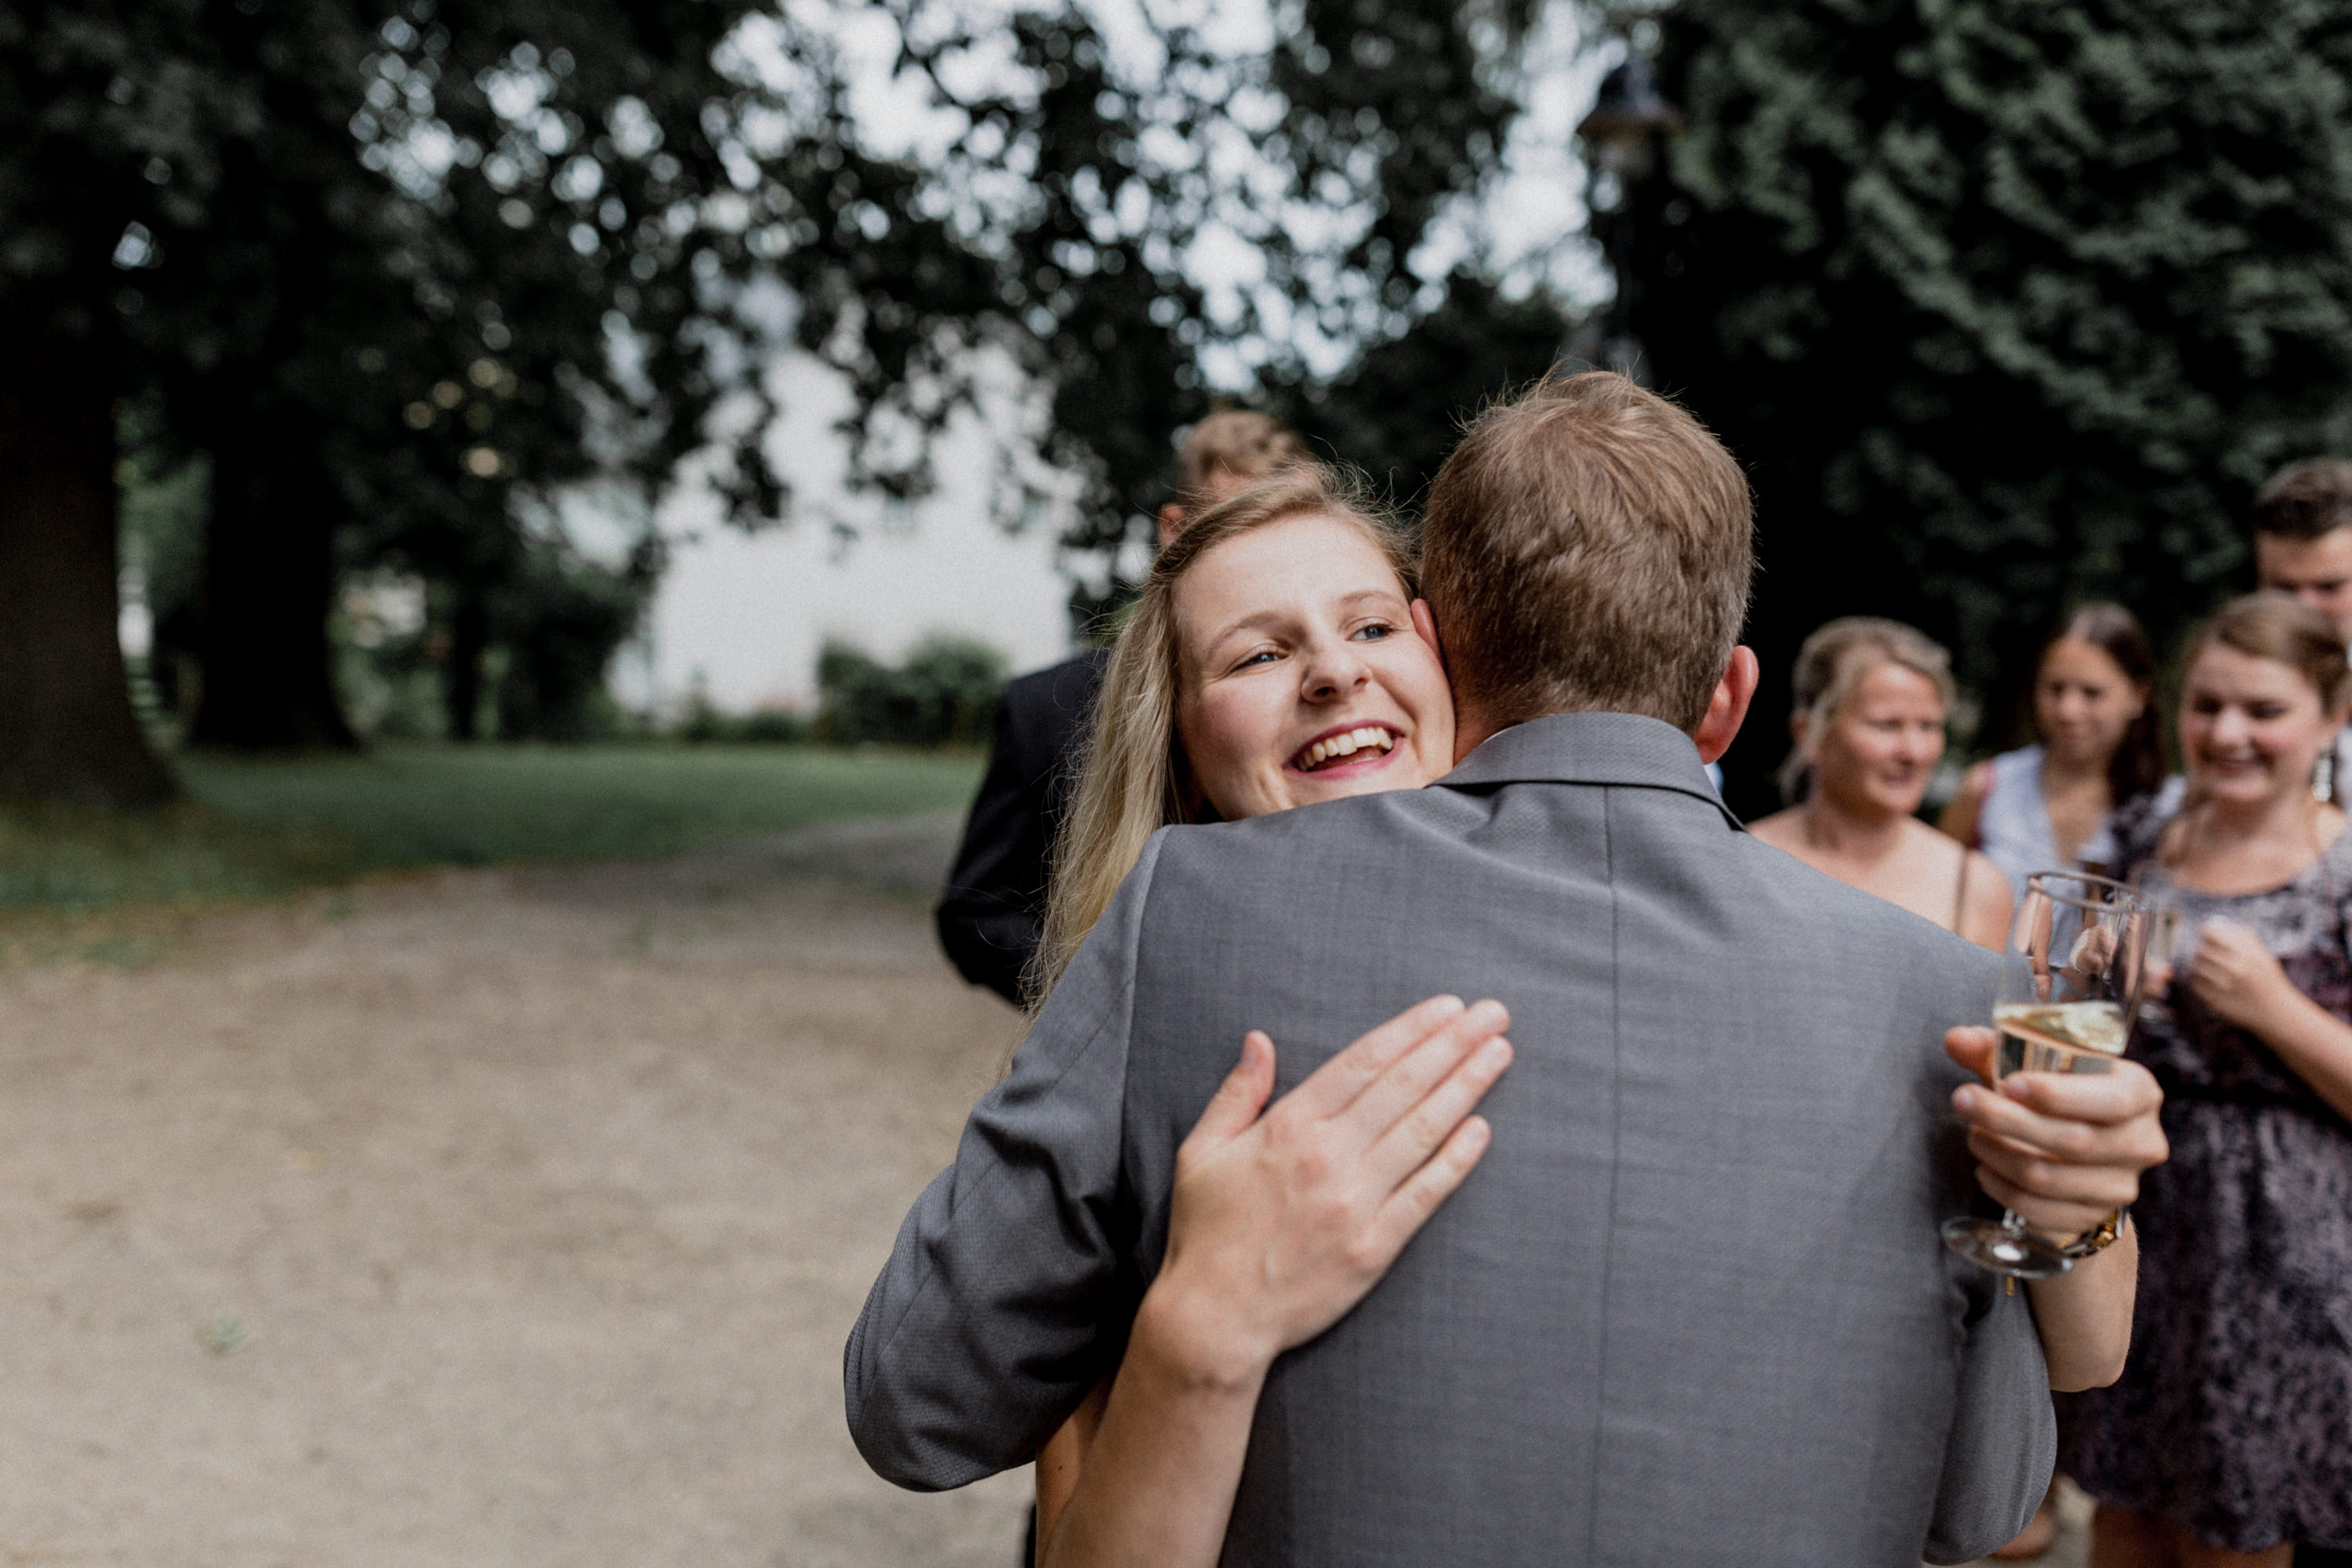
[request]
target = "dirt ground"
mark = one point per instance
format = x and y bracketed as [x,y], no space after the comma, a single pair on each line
[486,1220]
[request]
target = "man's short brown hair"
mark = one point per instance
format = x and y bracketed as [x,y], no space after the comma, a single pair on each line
[1250,446]
[1588,546]
[2305,499]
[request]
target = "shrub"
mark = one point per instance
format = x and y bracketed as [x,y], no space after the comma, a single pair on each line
[765,726]
[946,693]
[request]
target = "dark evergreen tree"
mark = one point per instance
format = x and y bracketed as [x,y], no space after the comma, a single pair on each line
[2002,303]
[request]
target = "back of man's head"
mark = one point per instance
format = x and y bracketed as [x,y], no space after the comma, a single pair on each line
[1235,445]
[2305,499]
[1587,547]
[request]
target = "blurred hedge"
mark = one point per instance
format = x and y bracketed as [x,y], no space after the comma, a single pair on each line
[946,693]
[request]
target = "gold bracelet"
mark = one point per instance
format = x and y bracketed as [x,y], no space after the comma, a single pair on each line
[2099,1238]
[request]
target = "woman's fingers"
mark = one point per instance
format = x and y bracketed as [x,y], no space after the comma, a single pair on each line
[1408,1080]
[2126,1092]
[2053,1217]
[1333,1087]
[2045,1180]
[1235,1106]
[1409,1208]
[1410,1140]
[2054,1145]
[1973,1047]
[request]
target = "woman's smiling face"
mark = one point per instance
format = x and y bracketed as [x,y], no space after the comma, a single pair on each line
[2251,729]
[1301,676]
[1884,744]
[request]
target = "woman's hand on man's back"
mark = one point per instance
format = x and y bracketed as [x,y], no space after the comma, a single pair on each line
[1281,1222]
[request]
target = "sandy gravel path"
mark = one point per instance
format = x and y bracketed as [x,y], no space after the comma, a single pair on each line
[487,1219]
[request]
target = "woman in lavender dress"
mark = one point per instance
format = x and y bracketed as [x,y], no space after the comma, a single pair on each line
[2229,1439]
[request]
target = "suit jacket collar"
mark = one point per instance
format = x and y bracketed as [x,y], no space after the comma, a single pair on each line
[1624,749]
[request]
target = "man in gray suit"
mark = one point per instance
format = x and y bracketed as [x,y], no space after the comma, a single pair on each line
[1692,1308]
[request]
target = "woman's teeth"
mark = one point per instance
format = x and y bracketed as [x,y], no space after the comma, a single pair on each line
[1344,745]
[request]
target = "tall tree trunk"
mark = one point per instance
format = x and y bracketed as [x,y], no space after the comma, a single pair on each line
[67,731]
[269,582]
[469,639]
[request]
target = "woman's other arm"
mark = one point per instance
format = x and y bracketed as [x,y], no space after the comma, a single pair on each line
[2236,976]
[1960,817]
[1061,1459]
[1280,1224]
[2065,1151]
[1989,902]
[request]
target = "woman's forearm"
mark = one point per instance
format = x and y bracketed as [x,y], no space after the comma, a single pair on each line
[1156,1484]
[2313,1041]
[2086,1316]
[1062,1459]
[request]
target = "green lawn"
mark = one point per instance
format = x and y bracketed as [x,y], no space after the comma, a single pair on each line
[257,828]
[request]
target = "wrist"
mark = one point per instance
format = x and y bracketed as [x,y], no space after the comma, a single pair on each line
[1185,1338]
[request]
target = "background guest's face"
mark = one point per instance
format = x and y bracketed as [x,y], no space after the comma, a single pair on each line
[1221,485]
[2251,729]
[1881,748]
[1296,634]
[2316,571]
[2084,702]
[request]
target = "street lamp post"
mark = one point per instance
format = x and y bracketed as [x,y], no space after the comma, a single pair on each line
[1621,132]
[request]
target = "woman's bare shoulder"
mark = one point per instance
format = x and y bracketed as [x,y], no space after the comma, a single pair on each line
[1781,830]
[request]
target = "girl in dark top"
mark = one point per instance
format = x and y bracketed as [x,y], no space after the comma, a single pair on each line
[2229,1439]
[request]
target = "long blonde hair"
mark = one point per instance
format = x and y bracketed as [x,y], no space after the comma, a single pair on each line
[1134,779]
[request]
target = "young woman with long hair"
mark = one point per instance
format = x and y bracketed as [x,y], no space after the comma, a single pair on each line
[2045,807]
[1278,656]
[2229,1439]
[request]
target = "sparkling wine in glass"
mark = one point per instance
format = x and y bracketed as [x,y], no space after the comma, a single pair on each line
[2069,984]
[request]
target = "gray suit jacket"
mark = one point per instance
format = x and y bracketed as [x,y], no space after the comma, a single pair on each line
[1691,1308]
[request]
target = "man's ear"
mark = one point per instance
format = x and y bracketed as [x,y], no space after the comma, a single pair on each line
[1172,523]
[1470,729]
[1425,621]
[1728,709]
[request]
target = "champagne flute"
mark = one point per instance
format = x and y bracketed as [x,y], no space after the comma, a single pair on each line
[2069,984]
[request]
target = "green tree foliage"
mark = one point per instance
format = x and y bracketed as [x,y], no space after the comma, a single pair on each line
[381,267]
[1330,158]
[562,617]
[1398,410]
[388,269]
[2002,303]
[946,693]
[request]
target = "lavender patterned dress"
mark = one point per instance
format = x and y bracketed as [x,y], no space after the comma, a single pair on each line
[2233,1417]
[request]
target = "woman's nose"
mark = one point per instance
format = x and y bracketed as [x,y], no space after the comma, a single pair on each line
[1333,670]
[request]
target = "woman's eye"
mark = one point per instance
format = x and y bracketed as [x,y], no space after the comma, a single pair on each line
[1262,655]
[1375,632]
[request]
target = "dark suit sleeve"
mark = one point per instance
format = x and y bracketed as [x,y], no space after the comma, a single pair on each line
[1006,1295]
[991,915]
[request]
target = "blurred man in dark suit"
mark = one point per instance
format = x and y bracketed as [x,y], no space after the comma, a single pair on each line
[993,909]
